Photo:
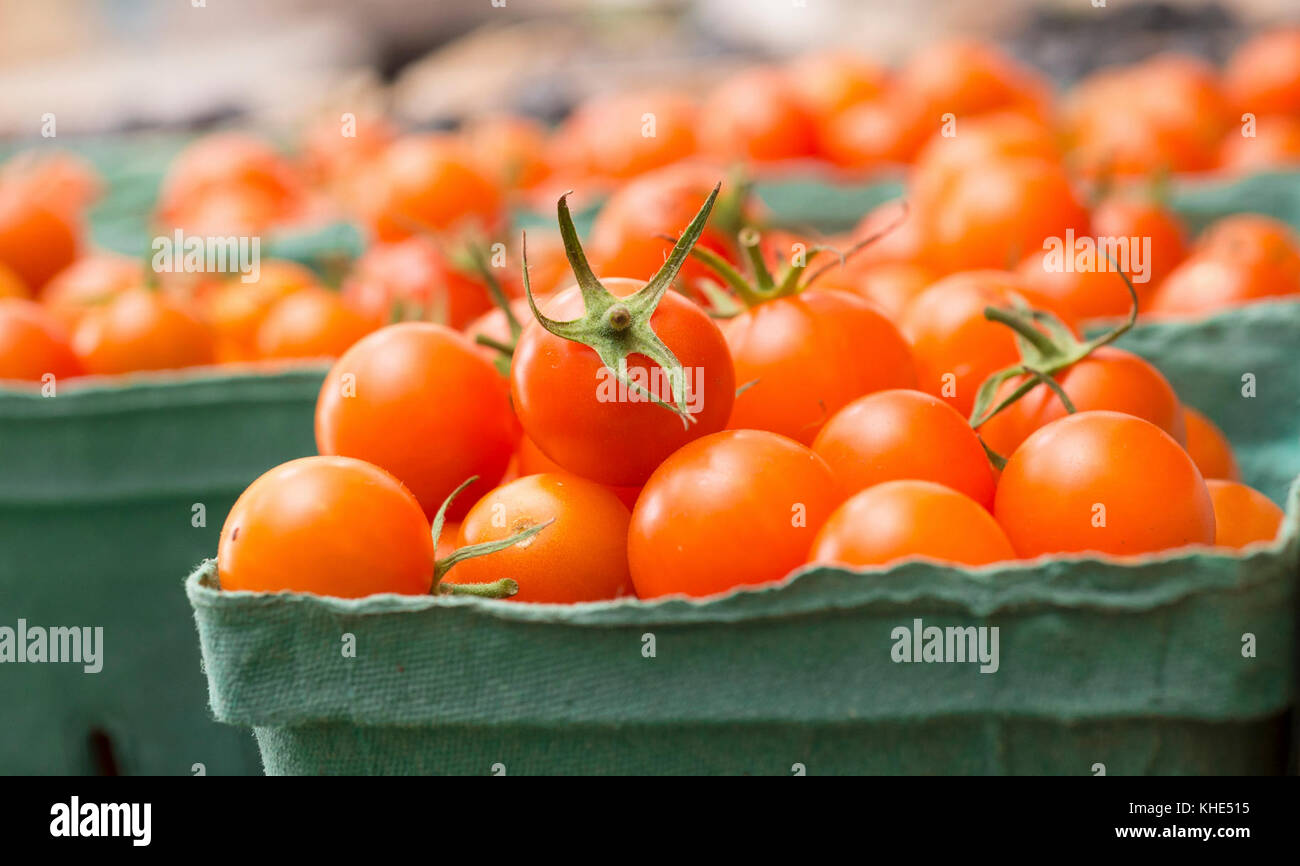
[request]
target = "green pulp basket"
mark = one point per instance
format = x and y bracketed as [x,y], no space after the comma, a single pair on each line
[107,493]
[1171,664]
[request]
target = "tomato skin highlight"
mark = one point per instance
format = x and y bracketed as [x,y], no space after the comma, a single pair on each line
[571,406]
[1154,498]
[1209,447]
[1109,378]
[1242,515]
[327,525]
[900,434]
[424,406]
[910,518]
[582,556]
[738,508]
[809,355]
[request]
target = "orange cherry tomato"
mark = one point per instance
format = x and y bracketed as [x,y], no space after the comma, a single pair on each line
[415,278]
[1136,216]
[910,518]
[623,135]
[33,344]
[756,116]
[808,355]
[236,309]
[955,347]
[1209,447]
[737,508]
[891,286]
[1256,240]
[995,216]
[1242,515]
[335,146]
[230,180]
[826,82]
[90,282]
[1263,76]
[582,556]
[494,325]
[1275,144]
[980,140]
[510,149]
[310,323]
[1109,378]
[417,400]
[530,460]
[901,434]
[1102,482]
[627,236]
[64,181]
[573,409]
[12,285]
[1202,285]
[965,77]
[877,133]
[326,525]
[1081,293]
[37,239]
[142,330]
[432,183]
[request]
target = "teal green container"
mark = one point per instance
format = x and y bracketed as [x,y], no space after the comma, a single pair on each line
[107,493]
[1181,664]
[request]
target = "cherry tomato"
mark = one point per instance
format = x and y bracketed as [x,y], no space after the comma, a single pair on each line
[737,508]
[415,277]
[432,183]
[310,323]
[900,434]
[1242,515]
[756,116]
[510,149]
[1109,378]
[33,344]
[964,77]
[230,180]
[12,285]
[1257,241]
[1103,482]
[1136,216]
[90,282]
[1263,76]
[910,518]
[529,460]
[623,135]
[1209,448]
[1202,285]
[417,400]
[955,347]
[582,556]
[980,140]
[826,82]
[890,286]
[574,410]
[37,239]
[494,325]
[330,526]
[1082,293]
[142,330]
[335,146]
[236,309]
[877,133]
[807,356]
[1275,144]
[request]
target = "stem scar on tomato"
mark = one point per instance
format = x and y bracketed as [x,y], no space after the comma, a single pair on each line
[617,327]
[1043,355]
[503,588]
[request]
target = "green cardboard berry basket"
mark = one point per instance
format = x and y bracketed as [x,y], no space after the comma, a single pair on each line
[100,496]
[1174,664]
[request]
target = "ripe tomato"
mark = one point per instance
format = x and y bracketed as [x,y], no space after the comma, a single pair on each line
[1263,76]
[1135,216]
[12,285]
[330,526]
[980,140]
[582,556]
[90,282]
[1103,482]
[37,239]
[756,116]
[494,325]
[877,133]
[808,355]
[236,309]
[965,77]
[1082,294]
[1257,240]
[1242,515]
[417,400]
[627,235]
[738,508]
[310,323]
[336,146]
[899,434]
[230,180]
[32,343]
[890,286]
[1275,144]
[994,217]
[574,410]
[529,460]
[142,330]
[510,149]
[955,347]
[414,277]
[432,183]
[1202,285]
[623,135]
[910,518]
[826,82]
[1109,378]
[1209,448]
